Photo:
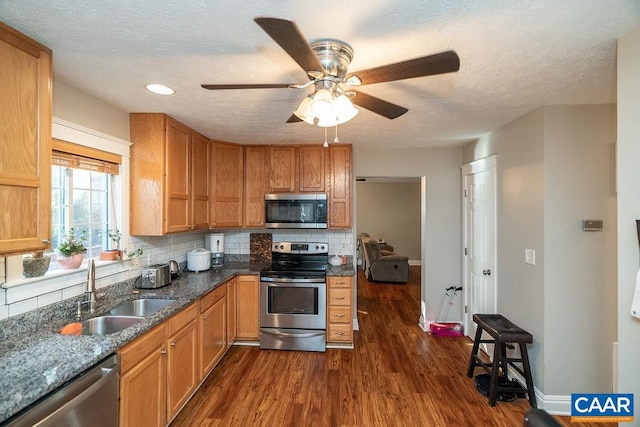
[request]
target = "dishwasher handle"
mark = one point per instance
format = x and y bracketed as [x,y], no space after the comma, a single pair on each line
[93,392]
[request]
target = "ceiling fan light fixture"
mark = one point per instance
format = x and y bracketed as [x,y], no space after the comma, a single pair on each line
[160,89]
[304,111]
[344,109]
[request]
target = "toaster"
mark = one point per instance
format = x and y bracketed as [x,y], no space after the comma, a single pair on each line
[155,276]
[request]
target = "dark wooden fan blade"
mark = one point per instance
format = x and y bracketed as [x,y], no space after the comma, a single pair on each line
[294,119]
[289,37]
[378,106]
[440,63]
[246,86]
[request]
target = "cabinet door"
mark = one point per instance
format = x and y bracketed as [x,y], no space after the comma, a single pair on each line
[231,311]
[212,335]
[227,185]
[255,181]
[25,143]
[143,394]
[177,155]
[282,169]
[311,169]
[200,178]
[340,183]
[182,367]
[248,314]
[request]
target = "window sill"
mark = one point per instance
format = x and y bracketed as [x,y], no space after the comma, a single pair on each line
[53,274]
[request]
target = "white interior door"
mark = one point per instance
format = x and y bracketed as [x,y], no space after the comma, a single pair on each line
[479,227]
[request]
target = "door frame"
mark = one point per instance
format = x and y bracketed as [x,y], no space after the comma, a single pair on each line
[487,164]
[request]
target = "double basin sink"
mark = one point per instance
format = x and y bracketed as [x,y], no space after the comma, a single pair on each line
[121,317]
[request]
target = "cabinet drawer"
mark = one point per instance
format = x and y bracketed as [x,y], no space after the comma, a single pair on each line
[212,297]
[340,282]
[339,297]
[138,349]
[181,319]
[339,314]
[339,333]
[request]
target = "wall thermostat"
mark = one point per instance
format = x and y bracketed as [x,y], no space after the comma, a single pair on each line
[591,225]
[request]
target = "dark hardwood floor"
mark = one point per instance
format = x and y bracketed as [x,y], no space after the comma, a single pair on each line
[397,375]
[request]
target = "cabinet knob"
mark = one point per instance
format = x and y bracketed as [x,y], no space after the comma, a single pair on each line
[46,241]
[163,351]
[172,344]
[204,317]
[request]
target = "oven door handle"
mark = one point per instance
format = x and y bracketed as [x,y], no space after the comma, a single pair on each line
[292,280]
[289,335]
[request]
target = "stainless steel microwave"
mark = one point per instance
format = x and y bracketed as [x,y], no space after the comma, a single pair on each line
[295,210]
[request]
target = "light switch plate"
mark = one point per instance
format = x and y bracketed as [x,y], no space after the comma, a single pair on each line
[530,256]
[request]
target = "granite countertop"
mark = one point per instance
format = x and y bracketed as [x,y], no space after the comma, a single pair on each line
[37,360]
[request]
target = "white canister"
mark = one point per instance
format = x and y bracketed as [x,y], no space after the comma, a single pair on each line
[214,242]
[199,260]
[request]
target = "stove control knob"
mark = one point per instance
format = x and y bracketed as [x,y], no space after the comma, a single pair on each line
[281,246]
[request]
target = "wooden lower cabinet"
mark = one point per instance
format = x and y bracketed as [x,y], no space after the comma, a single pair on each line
[159,371]
[248,308]
[340,310]
[143,390]
[212,326]
[182,360]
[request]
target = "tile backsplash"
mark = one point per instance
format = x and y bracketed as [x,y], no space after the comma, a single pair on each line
[29,294]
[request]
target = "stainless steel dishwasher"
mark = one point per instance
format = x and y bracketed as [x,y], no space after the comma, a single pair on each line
[91,399]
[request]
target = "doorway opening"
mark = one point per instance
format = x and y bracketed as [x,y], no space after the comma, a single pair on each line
[391,210]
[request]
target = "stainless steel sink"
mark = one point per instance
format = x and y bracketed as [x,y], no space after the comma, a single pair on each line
[141,307]
[104,325]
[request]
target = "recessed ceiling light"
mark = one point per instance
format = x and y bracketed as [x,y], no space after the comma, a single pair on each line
[160,89]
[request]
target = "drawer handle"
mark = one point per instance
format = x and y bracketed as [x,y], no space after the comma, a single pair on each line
[339,298]
[339,333]
[340,282]
[338,315]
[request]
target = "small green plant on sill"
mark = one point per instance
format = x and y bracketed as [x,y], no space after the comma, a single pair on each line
[70,245]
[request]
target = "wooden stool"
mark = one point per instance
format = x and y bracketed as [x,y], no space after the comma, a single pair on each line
[503,332]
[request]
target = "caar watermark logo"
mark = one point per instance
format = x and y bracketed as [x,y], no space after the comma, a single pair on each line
[602,408]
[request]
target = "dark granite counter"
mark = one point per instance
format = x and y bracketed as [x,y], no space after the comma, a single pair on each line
[36,360]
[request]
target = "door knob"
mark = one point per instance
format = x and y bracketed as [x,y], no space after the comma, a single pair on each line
[486,272]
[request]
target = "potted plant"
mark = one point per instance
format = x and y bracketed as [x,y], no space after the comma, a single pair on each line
[35,264]
[113,254]
[71,250]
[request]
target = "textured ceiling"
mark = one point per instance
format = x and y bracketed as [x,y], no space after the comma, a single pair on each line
[515,56]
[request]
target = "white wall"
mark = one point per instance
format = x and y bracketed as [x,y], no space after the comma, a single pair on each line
[442,234]
[555,167]
[580,267]
[628,179]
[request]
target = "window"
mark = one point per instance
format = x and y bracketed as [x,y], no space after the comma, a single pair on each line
[82,194]
[80,199]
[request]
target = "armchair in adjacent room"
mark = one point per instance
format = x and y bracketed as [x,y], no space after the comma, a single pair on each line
[381,267]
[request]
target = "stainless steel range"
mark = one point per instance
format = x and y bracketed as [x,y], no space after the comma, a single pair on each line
[293,297]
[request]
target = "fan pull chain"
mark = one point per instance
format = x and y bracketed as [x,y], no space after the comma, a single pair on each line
[336,140]
[326,144]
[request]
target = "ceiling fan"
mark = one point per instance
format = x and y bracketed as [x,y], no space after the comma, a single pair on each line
[326,62]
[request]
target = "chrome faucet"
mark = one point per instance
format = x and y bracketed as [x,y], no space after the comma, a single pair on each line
[90,291]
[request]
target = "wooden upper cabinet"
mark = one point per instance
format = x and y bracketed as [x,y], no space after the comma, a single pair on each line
[177,179]
[168,193]
[227,185]
[25,143]
[201,171]
[282,169]
[340,186]
[255,185]
[311,169]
